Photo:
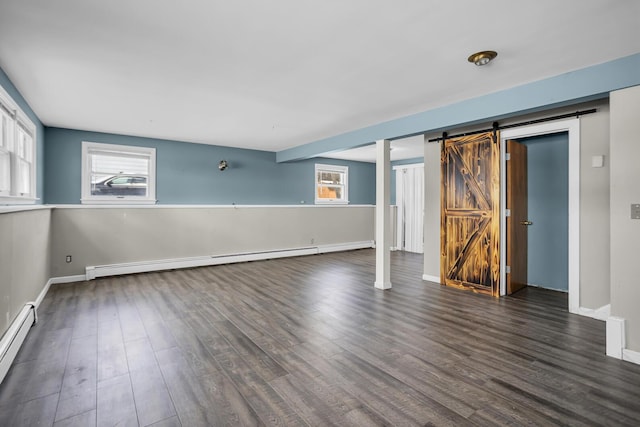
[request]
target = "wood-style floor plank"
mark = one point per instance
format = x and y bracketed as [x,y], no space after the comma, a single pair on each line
[309,341]
[87,419]
[153,403]
[115,402]
[36,412]
[79,385]
[202,401]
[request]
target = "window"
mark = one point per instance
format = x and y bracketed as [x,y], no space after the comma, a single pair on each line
[118,174]
[332,184]
[17,153]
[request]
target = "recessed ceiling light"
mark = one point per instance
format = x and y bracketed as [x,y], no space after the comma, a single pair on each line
[482,58]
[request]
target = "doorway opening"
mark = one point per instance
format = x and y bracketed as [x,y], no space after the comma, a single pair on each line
[572,129]
[548,198]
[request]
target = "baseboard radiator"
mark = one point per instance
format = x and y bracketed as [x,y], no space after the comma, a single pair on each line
[14,337]
[93,272]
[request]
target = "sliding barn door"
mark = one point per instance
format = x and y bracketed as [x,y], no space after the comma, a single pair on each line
[470,213]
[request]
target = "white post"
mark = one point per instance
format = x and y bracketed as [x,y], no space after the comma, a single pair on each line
[383,225]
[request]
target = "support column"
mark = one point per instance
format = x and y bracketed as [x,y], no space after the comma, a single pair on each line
[383,223]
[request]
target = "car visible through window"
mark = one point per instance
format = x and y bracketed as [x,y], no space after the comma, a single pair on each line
[120,185]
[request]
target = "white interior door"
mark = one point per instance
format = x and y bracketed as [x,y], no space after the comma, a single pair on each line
[410,202]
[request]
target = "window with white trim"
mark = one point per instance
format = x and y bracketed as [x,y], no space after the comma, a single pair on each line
[118,174]
[332,184]
[17,153]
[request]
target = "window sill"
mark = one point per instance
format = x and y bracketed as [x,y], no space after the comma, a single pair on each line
[331,202]
[116,201]
[13,200]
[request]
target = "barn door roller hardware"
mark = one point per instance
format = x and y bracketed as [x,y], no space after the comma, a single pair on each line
[496,127]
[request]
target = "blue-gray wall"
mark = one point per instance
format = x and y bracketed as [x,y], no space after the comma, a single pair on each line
[6,83]
[188,173]
[548,188]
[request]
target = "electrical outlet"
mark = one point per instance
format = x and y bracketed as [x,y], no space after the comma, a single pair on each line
[68,259]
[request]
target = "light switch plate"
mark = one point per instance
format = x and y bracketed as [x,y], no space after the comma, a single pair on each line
[597,161]
[635,211]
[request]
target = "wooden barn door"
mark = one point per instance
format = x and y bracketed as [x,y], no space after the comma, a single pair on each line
[470,213]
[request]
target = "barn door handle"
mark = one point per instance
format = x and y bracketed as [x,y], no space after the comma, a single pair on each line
[526,222]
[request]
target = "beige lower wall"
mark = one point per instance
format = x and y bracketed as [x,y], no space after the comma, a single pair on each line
[110,235]
[24,260]
[625,232]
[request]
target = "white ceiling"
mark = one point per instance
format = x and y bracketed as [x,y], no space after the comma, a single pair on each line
[401,149]
[275,74]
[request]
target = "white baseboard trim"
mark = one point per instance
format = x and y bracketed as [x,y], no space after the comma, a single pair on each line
[601,313]
[616,342]
[43,293]
[631,356]
[615,336]
[534,285]
[68,279]
[93,272]
[430,278]
[382,285]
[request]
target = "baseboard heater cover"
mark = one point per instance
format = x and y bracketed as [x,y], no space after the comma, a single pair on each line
[14,337]
[93,272]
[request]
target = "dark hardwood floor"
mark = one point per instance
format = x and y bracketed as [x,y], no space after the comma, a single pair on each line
[309,341]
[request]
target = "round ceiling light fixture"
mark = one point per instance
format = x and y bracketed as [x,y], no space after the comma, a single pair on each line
[482,58]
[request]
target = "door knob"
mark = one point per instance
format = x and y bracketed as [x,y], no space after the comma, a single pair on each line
[526,222]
